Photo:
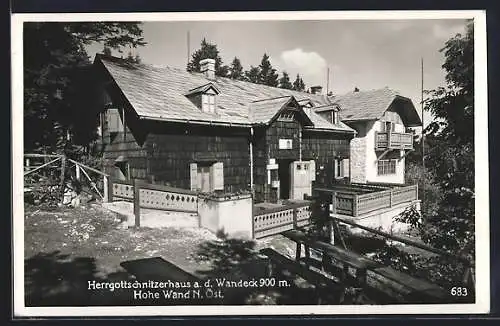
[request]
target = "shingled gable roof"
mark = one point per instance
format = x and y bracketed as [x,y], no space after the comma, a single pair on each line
[372,104]
[159,93]
[265,111]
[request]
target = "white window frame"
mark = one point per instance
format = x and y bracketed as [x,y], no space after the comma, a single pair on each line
[208,103]
[384,167]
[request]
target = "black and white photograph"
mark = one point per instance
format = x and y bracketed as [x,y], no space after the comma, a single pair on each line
[251,163]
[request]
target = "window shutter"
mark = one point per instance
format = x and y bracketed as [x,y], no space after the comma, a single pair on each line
[217,175]
[312,170]
[114,120]
[193,172]
[345,165]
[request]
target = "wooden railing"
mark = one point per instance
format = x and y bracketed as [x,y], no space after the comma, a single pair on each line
[40,163]
[393,140]
[276,220]
[355,203]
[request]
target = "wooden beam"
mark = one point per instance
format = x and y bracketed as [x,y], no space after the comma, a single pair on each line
[383,154]
[407,241]
[405,154]
[41,166]
[89,168]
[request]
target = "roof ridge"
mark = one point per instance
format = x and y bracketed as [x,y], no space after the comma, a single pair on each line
[272,98]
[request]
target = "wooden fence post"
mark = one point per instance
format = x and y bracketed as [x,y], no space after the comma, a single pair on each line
[137,207]
[331,228]
[355,205]
[62,177]
[106,189]
[77,172]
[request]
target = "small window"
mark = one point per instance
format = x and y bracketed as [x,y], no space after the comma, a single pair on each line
[208,103]
[334,117]
[389,126]
[338,168]
[386,167]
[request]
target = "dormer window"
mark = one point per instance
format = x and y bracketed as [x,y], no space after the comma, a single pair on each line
[204,97]
[334,117]
[208,102]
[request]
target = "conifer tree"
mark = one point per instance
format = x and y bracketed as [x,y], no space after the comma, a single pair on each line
[207,51]
[298,84]
[284,81]
[267,74]
[236,70]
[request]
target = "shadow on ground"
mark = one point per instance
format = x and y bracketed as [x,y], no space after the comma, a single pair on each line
[56,279]
[235,261]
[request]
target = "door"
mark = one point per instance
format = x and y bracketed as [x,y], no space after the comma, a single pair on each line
[284,177]
[204,178]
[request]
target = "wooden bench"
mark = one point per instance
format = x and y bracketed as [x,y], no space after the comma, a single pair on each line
[419,291]
[324,285]
[345,257]
[416,290]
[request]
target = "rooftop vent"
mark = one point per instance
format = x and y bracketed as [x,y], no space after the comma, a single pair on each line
[316,89]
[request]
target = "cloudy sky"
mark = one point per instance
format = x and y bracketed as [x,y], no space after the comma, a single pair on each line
[366,54]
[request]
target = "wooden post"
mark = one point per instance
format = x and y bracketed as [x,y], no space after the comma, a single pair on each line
[62,177]
[137,207]
[77,172]
[106,189]
[295,218]
[390,198]
[355,205]
[331,228]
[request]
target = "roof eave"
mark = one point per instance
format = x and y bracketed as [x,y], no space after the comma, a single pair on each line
[343,131]
[197,121]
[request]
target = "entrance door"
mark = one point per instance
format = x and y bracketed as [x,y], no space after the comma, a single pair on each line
[284,177]
[204,178]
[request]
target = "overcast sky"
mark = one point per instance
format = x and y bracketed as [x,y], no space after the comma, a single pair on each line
[366,54]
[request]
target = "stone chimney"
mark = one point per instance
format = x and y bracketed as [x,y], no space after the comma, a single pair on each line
[207,67]
[316,89]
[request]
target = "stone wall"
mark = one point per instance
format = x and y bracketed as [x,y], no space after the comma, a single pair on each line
[358,153]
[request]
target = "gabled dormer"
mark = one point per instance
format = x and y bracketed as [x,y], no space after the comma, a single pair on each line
[204,97]
[329,112]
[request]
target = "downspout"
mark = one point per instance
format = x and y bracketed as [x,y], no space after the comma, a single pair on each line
[251,159]
[300,143]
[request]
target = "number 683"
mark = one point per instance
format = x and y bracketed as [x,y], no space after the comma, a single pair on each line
[458,291]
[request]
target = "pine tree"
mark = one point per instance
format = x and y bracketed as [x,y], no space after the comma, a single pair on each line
[267,75]
[252,75]
[207,51]
[298,84]
[236,70]
[284,81]
[58,78]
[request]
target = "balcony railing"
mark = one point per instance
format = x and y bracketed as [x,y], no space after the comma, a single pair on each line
[393,140]
[356,200]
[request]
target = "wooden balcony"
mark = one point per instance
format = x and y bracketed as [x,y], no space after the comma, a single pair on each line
[393,140]
[358,199]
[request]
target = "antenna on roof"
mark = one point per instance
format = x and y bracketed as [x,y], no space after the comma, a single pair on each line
[327,80]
